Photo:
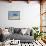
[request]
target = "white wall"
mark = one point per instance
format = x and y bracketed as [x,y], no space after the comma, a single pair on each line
[29,14]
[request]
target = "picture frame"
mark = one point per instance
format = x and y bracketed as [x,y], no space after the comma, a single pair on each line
[13,15]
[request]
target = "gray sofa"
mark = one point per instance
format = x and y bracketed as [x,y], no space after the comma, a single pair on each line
[17,35]
[22,38]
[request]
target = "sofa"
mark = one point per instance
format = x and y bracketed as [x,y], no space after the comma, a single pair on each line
[22,34]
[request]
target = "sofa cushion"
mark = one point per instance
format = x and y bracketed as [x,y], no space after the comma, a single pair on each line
[20,37]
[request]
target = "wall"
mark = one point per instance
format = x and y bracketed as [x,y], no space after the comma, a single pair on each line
[29,14]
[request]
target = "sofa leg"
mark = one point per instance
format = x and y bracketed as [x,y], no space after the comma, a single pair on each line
[21,44]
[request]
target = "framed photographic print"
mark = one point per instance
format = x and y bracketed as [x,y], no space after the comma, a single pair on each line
[13,15]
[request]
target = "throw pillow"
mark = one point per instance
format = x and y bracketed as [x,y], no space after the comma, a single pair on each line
[11,30]
[28,31]
[17,30]
[23,30]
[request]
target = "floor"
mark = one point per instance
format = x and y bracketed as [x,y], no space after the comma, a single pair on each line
[35,43]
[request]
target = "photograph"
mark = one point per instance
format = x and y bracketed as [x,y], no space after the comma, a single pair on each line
[13,15]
